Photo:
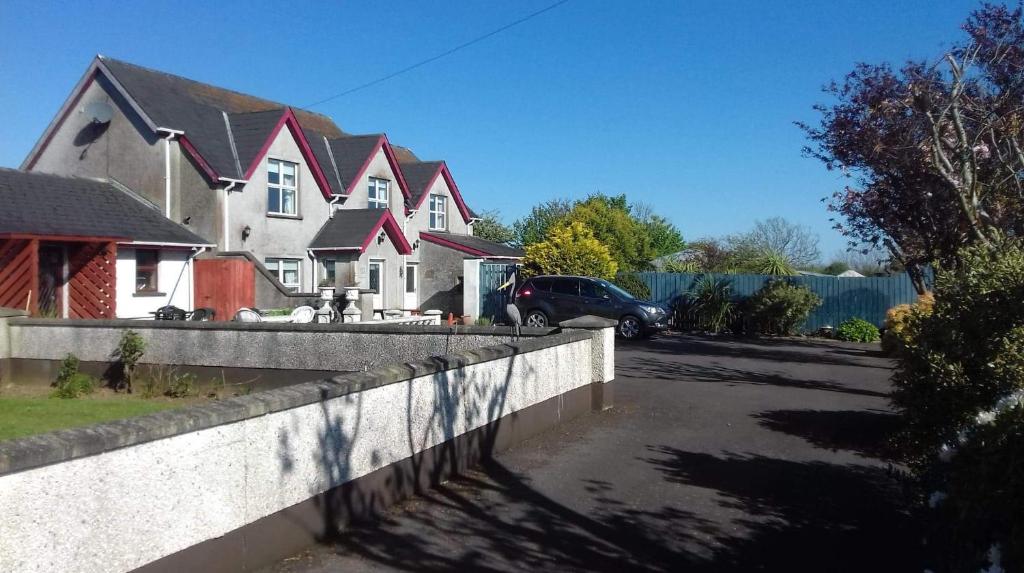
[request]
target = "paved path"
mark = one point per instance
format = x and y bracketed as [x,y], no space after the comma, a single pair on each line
[719,456]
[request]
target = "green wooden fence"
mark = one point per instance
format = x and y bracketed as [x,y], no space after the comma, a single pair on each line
[493,301]
[842,298]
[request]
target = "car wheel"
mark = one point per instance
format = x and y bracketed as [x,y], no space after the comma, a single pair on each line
[630,327]
[536,318]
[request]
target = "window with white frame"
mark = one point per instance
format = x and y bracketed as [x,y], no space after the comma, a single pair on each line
[438,212]
[282,187]
[378,193]
[286,271]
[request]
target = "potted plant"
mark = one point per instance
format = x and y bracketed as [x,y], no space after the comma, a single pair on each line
[327,289]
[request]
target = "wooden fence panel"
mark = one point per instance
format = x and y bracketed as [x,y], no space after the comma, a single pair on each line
[842,298]
[493,301]
[225,285]
[92,280]
[19,274]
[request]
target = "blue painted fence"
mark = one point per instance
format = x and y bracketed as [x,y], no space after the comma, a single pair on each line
[493,301]
[842,298]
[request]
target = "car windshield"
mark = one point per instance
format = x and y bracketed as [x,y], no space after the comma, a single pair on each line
[620,292]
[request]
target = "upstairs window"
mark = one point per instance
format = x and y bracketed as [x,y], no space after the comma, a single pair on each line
[282,187]
[378,193]
[146,263]
[438,212]
[286,271]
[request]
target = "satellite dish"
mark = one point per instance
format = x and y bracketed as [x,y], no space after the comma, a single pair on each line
[99,112]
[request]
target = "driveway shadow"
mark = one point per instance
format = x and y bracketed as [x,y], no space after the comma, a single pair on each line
[771,350]
[800,516]
[866,432]
[493,520]
[658,369]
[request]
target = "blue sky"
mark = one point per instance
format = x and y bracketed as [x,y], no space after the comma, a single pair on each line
[688,106]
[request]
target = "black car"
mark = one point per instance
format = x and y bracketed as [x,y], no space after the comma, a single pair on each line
[548,300]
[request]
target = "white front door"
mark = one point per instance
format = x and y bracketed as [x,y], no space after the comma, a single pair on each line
[412,287]
[376,273]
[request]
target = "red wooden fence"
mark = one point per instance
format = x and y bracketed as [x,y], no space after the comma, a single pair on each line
[19,273]
[92,274]
[225,285]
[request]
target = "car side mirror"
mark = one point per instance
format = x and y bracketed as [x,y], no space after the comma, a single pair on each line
[606,296]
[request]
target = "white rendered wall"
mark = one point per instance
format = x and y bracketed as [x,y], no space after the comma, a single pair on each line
[174,282]
[121,509]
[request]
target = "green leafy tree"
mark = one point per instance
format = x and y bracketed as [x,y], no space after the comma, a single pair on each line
[610,220]
[570,249]
[534,228]
[665,237]
[490,227]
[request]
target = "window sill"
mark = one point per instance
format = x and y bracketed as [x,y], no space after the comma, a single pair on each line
[149,294]
[284,216]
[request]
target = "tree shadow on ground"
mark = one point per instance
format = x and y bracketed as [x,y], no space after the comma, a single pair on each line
[865,432]
[773,350]
[656,369]
[491,519]
[801,516]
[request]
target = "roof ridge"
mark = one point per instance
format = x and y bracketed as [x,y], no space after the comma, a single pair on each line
[56,175]
[360,136]
[190,80]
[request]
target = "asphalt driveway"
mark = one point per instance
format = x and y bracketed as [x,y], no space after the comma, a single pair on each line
[719,456]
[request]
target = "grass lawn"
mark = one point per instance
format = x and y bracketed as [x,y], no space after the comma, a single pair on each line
[24,416]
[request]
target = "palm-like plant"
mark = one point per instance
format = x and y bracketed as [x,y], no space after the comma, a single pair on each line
[773,263]
[712,303]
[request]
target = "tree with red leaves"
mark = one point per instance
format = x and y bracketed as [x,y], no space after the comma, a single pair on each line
[933,150]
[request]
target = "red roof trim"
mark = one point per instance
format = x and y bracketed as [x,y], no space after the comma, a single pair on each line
[433,178]
[288,118]
[452,245]
[442,170]
[394,231]
[382,143]
[185,143]
[456,194]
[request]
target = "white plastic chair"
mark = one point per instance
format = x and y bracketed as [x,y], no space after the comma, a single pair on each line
[247,315]
[303,314]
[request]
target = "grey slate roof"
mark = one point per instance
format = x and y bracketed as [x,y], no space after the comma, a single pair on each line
[198,109]
[351,153]
[43,204]
[477,244]
[348,228]
[251,131]
[418,175]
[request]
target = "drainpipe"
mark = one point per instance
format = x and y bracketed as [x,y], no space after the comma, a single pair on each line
[227,217]
[330,206]
[169,134]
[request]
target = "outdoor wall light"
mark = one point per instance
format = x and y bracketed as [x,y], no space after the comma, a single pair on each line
[246,231]
[416,244]
[381,237]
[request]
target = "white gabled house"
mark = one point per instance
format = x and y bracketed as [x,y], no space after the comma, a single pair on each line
[262,180]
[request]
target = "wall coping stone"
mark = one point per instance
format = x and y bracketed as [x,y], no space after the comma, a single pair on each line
[11,312]
[22,454]
[370,328]
[588,321]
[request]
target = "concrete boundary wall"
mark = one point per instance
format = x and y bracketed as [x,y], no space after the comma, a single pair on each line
[212,480]
[334,347]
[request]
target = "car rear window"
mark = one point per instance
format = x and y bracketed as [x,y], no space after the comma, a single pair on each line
[543,285]
[566,286]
